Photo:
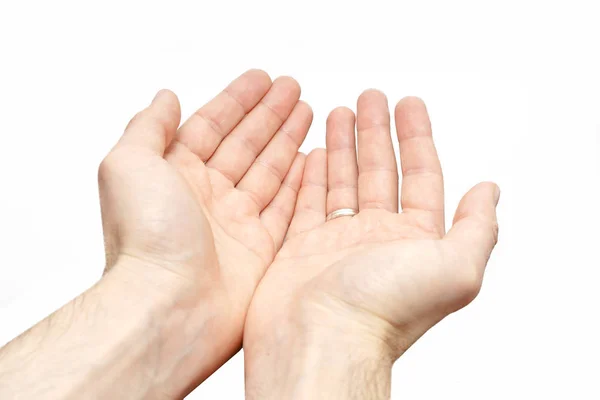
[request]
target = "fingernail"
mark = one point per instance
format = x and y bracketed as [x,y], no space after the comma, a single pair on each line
[497,194]
[158,94]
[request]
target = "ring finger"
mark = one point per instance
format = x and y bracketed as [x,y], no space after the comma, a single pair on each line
[342,175]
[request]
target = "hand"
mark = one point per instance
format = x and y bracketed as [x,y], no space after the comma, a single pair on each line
[203,210]
[344,298]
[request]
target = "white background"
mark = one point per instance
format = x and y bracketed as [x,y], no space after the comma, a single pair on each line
[513,92]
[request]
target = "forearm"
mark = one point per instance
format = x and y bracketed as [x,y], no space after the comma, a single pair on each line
[308,366]
[126,337]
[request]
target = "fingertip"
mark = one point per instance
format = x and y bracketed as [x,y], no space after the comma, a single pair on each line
[340,132]
[341,113]
[248,88]
[372,110]
[412,100]
[480,200]
[305,108]
[372,95]
[154,127]
[317,154]
[159,95]
[291,85]
[493,188]
[315,166]
[299,161]
[339,121]
[282,97]
[299,164]
[488,187]
[258,75]
[409,103]
[497,192]
[167,99]
[373,92]
[412,118]
[165,95]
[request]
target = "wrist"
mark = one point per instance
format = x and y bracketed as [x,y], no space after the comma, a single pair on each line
[304,357]
[135,334]
[194,332]
[303,369]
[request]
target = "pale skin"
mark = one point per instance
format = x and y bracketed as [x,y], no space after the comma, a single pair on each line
[345,298]
[197,216]
[192,217]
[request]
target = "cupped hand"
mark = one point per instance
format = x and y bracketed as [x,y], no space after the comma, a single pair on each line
[207,204]
[381,278]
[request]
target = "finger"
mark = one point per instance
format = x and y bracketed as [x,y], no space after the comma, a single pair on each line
[278,214]
[239,149]
[342,171]
[377,170]
[154,127]
[475,228]
[422,181]
[207,127]
[263,179]
[312,197]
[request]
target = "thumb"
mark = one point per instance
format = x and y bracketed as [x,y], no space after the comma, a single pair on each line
[475,228]
[154,127]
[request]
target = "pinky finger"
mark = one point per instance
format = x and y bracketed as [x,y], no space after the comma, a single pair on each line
[277,215]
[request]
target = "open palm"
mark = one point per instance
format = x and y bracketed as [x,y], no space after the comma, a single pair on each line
[209,203]
[239,155]
[378,273]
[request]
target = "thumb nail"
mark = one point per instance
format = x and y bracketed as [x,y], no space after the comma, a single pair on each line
[158,95]
[497,195]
